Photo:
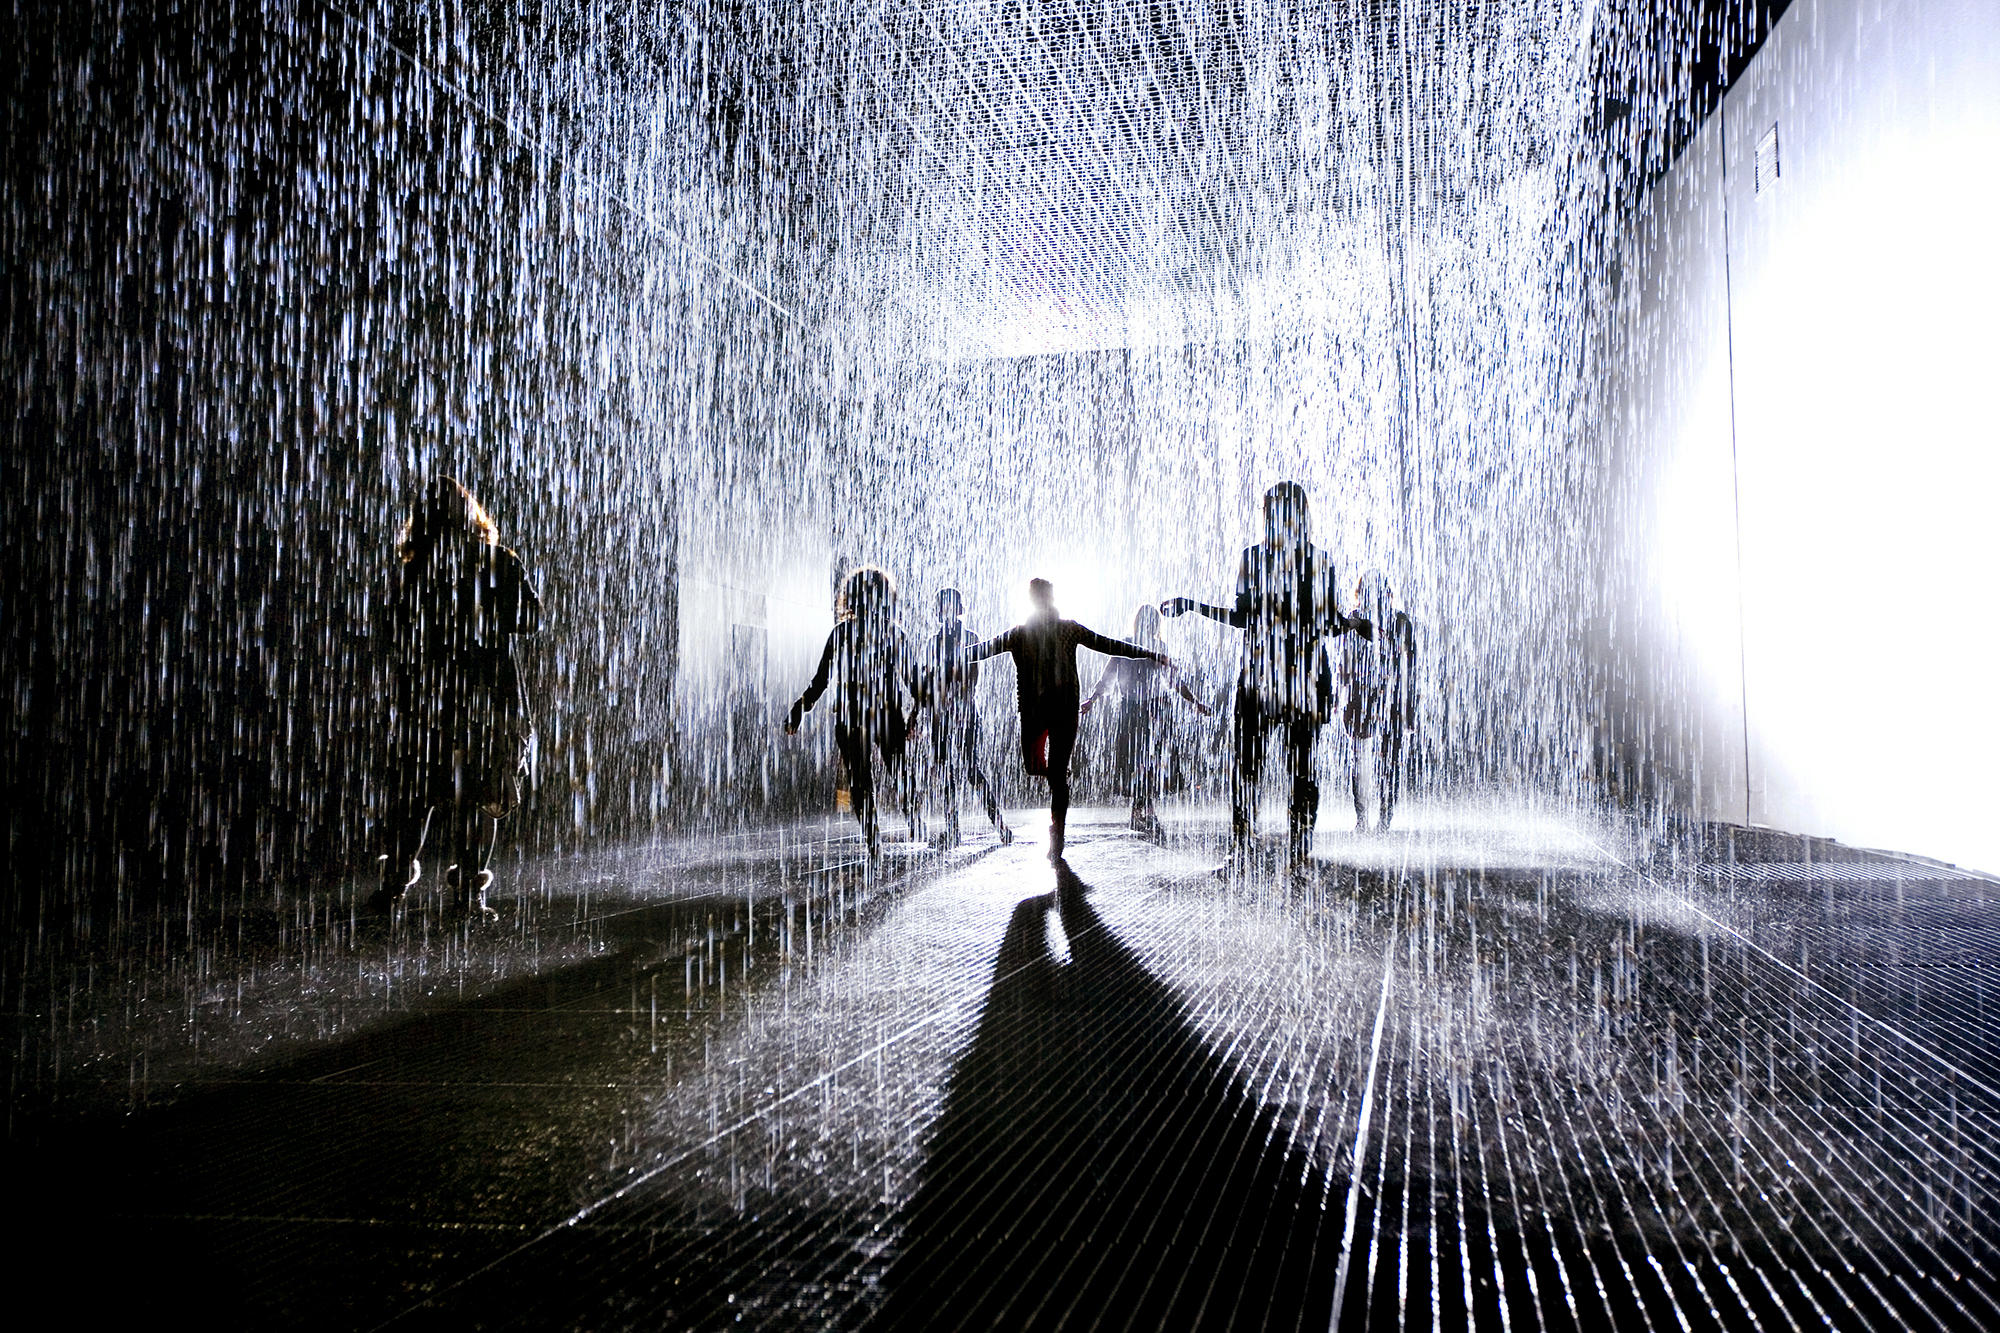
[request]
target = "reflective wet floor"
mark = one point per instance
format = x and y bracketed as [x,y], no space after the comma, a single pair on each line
[1501,1067]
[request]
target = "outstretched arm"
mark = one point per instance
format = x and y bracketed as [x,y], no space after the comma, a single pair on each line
[1187,693]
[1110,647]
[1103,684]
[818,687]
[1002,642]
[1238,616]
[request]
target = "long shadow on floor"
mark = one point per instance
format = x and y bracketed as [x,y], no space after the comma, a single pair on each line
[1096,1165]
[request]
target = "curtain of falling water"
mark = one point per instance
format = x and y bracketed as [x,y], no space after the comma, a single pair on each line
[275,266]
[700,296]
[1104,273]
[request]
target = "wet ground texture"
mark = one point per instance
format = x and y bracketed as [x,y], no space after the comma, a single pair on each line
[1500,1068]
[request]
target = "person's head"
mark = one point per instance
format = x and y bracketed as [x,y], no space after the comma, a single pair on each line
[1146,626]
[1043,594]
[1285,518]
[1373,590]
[951,607]
[445,511]
[868,593]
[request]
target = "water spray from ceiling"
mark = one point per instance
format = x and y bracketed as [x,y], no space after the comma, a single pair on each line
[706,300]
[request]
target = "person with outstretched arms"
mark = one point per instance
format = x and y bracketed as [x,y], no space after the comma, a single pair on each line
[1045,678]
[1287,605]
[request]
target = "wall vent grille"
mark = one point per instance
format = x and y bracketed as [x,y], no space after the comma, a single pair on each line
[1767,160]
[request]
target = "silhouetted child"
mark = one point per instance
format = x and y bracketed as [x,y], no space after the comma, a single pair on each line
[1287,605]
[1044,650]
[874,666]
[458,728]
[1140,741]
[1379,679]
[950,681]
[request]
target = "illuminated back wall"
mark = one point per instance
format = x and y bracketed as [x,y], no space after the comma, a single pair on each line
[1804,442]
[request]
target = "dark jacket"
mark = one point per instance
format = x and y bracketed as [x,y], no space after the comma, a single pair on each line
[949,676]
[452,612]
[1380,677]
[1044,651]
[872,659]
[1287,605]
[457,710]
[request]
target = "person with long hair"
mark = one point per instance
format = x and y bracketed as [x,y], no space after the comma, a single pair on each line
[1140,745]
[1045,680]
[1379,678]
[1287,605]
[950,683]
[868,653]
[458,727]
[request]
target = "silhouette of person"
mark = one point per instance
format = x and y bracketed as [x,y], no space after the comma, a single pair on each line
[1379,678]
[874,666]
[1287,605]
[950,682]
[459,727]
[1140,739]
[1044,651]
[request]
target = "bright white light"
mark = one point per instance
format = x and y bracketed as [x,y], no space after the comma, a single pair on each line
[1870,460]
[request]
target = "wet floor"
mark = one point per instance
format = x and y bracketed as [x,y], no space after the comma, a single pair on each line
[1501,1068]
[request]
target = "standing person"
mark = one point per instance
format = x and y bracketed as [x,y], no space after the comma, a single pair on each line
[950,682]
[1140,745]
[874,665]
[1287,604]
[1044,650]
[1380,680]
[459,727]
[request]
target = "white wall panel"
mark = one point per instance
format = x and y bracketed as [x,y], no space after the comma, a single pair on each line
[1859,358]
[1865,282]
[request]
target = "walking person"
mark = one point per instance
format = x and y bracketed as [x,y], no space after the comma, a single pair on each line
[458,728]
[868,652]
[1140,746]
[950,683]
[1379,679]
[1044,651]
[1287,605]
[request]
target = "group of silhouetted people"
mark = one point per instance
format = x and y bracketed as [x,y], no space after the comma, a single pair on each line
[869,655]
[1289,608]
[458,729]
